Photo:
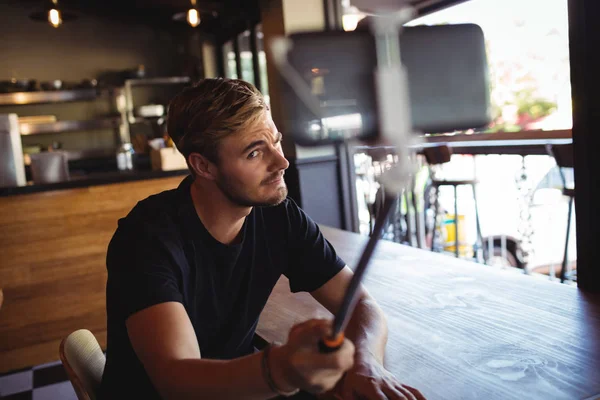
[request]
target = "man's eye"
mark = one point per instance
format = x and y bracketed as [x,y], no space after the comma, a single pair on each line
[253,154]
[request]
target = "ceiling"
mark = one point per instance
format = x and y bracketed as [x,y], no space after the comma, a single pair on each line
[216,15]
[222,18]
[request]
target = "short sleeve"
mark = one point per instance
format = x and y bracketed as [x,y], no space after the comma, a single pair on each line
[312,260]
[141,272]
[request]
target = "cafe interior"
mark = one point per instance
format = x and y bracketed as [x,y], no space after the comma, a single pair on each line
[461,188]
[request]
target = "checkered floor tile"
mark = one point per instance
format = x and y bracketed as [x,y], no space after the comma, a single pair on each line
[42,382]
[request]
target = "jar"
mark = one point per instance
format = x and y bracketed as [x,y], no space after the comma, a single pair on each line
[125,157]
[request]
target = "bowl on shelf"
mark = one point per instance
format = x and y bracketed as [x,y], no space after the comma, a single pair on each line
[49,167]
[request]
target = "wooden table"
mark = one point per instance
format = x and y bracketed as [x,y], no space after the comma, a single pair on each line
[459,330]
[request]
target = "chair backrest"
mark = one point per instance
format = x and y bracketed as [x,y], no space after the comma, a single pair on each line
[84,363]
[437,155]
[563,155]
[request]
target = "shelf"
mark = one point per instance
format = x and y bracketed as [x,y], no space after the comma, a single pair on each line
[70,126]
[158,81]
[59,96]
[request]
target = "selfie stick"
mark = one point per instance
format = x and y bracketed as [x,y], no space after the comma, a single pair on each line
[395,125]
[335,341]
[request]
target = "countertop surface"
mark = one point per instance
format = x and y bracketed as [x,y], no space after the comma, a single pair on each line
[92,179]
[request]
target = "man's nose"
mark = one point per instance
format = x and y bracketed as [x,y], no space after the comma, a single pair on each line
[279,161]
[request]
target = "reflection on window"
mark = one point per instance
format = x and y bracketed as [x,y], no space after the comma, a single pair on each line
[229,62]
[262,62]
[528,51]
[246,57]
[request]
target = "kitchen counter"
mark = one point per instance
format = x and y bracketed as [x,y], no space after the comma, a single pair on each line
[53,258]
[92,179]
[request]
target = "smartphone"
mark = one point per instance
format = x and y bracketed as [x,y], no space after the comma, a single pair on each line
[448,82]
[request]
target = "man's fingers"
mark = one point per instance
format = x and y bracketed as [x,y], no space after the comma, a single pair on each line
[338,361]
[394,393]
[375,393]
[310,332]
[418,395]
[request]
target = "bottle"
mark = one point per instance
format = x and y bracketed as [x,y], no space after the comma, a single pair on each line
[125,157]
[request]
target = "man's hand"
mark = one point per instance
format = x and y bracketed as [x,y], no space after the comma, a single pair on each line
[298,363]
[368,379]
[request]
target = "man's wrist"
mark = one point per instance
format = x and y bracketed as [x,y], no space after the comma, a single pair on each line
[280,367]
[366,356]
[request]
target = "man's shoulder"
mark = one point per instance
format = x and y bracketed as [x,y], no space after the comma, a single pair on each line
[155,206]
[157,212]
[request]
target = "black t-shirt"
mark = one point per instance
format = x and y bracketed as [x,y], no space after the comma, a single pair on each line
[161,252]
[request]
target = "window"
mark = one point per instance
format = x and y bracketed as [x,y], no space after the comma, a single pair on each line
[528,52]
[262,62]
[246,57]
[229,62]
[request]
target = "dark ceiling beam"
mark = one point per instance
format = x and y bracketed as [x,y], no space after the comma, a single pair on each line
[246,17]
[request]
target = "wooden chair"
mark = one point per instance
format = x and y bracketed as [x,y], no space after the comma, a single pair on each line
[563,154]
[440,155]
[84,363]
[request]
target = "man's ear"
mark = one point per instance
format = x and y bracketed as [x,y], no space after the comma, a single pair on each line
[202,166]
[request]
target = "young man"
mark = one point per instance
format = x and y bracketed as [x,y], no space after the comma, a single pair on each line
[190,270]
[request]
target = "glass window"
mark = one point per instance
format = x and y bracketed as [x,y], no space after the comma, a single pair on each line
[246,56]
[229,62]
[262,62]
[528,52]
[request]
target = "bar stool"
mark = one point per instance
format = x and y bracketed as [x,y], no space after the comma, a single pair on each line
[563,155]
[440,155]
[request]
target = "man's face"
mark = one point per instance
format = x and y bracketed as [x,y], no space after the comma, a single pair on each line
[251,165]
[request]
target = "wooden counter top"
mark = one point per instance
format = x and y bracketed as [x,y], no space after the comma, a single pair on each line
[93,179]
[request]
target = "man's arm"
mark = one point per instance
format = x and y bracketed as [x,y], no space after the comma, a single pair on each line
[164,340]
[368,330]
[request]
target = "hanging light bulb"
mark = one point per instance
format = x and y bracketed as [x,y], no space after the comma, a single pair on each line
[54,17]
[193,16]
[52,14]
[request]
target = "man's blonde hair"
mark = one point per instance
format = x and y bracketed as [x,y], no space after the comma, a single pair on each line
[206,113]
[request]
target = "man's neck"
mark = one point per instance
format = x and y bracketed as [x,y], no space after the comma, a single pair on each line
[221,218]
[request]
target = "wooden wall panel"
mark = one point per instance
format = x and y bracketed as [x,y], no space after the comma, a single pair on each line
[53,265]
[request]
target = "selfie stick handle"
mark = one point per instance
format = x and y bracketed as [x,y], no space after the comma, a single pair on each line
[335,341]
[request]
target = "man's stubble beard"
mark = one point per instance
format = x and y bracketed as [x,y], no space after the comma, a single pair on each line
[243,200]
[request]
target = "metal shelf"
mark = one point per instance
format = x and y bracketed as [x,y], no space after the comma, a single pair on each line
[157,81]
[70,126]
[59,96]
